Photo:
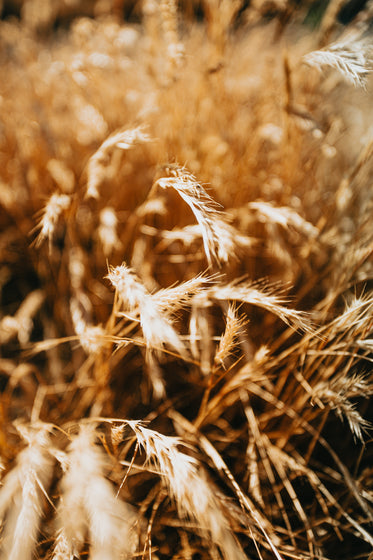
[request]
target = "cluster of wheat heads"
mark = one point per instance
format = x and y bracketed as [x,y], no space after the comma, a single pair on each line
[186,306]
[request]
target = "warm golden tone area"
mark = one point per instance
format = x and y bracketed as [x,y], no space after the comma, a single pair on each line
[186,316]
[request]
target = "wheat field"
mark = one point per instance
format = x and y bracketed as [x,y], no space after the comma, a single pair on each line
[186,326]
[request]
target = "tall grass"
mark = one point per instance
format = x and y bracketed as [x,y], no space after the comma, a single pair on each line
[186,282]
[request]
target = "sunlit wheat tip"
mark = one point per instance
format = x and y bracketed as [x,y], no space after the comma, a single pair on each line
[187,483]
[155,322]
[264,297]
[233,328]
[89,506]
[61,550]
[284,216]
[54,208]
[23,494]
[218,240]
[99,163]
[107,230]
[351,57]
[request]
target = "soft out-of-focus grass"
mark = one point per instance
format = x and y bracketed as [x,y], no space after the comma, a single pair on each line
[186,306]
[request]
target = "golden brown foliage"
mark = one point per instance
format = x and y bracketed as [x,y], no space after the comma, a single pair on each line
[185,282]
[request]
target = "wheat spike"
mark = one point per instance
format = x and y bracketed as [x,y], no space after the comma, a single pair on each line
[89,508]
[351,56]
[23,492]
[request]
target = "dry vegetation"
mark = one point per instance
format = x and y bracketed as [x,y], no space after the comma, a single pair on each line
[186,322]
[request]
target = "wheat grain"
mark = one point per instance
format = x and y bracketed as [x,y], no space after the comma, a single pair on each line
[92,337]
[21,323]
[61,548]
[175,49]
[337,394]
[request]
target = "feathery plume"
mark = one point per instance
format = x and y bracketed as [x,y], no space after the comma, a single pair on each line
[351,56]
[54,208]
[233,328]
[107,230]
[22,494]
[218,240]
[255,294]
[135,298]
[21,323]
[91,337]
[284,216]
[89,505]
[99,162]
[184,476]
